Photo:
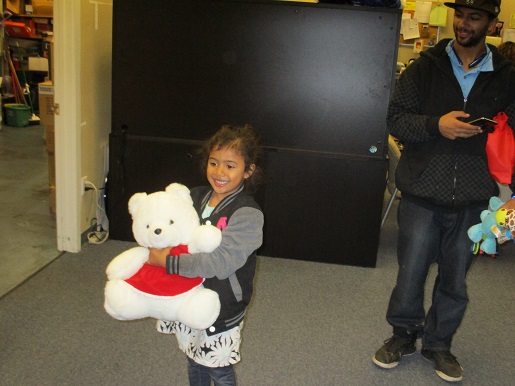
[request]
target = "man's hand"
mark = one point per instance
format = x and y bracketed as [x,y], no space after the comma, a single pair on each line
[157,256]
[452,126]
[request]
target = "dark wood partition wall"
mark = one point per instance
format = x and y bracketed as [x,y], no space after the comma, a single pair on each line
[313,79]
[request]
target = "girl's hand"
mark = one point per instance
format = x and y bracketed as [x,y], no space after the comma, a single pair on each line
[157,256]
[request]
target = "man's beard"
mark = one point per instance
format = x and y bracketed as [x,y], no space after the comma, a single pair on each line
[473,40]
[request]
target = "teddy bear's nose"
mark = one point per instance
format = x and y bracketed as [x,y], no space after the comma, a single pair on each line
[158,231]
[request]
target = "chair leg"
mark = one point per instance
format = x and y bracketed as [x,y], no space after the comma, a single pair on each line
[389,206]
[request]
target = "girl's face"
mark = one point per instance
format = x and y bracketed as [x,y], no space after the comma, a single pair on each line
[226,172]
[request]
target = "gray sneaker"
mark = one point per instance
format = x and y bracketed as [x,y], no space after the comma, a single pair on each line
[393,350]
[446,365]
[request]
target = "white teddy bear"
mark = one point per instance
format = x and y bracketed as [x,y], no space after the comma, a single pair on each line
[137,290]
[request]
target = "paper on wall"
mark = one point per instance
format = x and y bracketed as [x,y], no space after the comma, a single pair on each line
[410,6]
[438,16]
[508,35]
[409,28]
[422,11]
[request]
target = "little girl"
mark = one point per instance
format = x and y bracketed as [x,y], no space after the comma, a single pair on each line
[230,161]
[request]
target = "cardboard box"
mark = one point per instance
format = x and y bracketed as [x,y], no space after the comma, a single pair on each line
[46,115]
[52,199]
[51,169]
[43,7]
[46,103]
[38,64]
[50,139]
[15,6]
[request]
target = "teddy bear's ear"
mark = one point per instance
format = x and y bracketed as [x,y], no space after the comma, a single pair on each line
[135,202]
[181,191]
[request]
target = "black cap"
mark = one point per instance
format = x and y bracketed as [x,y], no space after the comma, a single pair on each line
[493,7]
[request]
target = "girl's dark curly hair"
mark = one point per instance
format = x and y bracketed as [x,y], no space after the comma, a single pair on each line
[242,139]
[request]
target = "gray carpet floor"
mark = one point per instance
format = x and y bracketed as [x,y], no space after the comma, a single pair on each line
[27,227]
[308,324]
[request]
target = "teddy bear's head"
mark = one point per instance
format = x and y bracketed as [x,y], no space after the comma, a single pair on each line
[165,218]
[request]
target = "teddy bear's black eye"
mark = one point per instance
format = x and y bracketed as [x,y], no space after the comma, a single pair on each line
[148,226]
[171,222]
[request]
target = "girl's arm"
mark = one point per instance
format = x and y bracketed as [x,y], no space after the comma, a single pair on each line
[240,239]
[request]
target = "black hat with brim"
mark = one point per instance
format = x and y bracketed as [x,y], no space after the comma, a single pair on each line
[493,7]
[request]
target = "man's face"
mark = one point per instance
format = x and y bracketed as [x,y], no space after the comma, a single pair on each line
[472,26]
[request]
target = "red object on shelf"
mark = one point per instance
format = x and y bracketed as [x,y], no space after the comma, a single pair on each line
[18,30]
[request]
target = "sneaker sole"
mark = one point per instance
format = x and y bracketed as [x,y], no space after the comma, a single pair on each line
[384,365]
[390,365]
[444,376]
[447,378]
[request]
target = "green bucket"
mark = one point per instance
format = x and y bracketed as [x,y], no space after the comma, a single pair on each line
[17,114]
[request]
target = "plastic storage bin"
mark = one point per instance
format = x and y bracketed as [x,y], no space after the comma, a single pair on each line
[17,114]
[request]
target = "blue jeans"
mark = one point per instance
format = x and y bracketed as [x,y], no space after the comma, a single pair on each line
[200,375]
[427,236]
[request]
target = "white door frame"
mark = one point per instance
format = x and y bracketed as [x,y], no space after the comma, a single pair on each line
[67,95]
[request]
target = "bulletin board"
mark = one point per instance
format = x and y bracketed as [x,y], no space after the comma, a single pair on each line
[429,35]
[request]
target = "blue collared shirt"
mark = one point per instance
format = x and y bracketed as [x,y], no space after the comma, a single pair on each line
[467,79]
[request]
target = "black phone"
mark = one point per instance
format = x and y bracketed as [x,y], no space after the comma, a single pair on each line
[486,124]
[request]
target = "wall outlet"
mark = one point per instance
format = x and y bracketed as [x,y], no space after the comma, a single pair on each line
[83,184]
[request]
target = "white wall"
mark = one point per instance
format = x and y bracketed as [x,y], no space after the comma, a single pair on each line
[96,63]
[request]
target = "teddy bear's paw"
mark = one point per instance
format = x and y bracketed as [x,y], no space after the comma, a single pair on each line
[200,310]
[127,263]
[206,238]
[111,311]
[124,302]
[165,326]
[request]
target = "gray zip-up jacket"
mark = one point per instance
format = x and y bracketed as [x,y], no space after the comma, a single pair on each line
[229,270]
[434,171]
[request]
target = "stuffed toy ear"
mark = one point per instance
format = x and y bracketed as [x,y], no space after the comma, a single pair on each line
[135,202]
[180,191]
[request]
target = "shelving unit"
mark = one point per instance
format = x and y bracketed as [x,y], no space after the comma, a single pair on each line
[26,49]
[18,51]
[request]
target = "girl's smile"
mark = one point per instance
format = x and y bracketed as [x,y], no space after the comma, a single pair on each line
[226,172]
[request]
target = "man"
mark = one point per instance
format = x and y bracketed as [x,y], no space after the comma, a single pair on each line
[444,179]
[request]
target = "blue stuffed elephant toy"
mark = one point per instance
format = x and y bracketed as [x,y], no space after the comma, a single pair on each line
[485,241]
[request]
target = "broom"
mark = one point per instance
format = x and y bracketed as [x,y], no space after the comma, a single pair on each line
[34,117]
[17,90]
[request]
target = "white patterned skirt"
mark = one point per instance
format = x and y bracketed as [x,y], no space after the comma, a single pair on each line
[217,350]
